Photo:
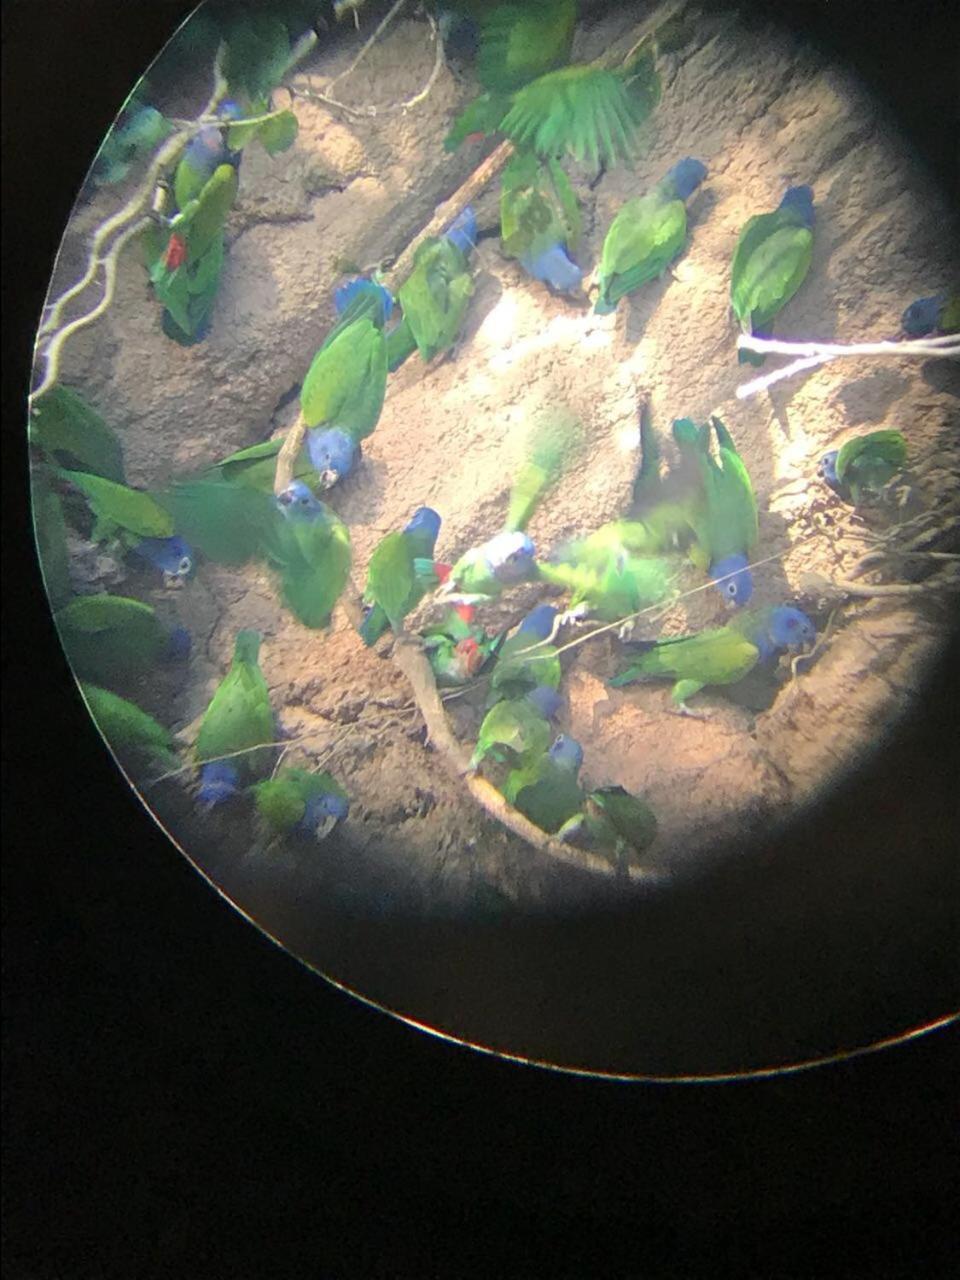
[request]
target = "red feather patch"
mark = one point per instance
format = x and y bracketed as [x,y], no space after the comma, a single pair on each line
[176,252]
[465,611]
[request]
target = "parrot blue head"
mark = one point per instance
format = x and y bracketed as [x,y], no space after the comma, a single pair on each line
[178,645]
[460,35]
[172,556]
[567,753]
[922,317]
[322,813]
[510,556]
[737,588]
[358,286]
[333,453]
[219,780]
[687,176]
[538,622]
[230,110]
[205,151]
[828,469]
[555,268]
[790,628]
[424,520]
[298,502]
[800,201]
[546,700]
[462,231]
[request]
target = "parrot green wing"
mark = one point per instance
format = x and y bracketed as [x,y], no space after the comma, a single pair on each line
[127,728]
[524,663]
[585,110]
[109,638]
[720,655]
[313,560]
[538,207]
[519,42]
[114,505]
[888,448]
[228,522]
[50,532]
[239,715]
[950,316]
[644,238]
[544,793]
[550,445]
[435,296]
[513,732]
[69,431]
[401,344]
[391,578]
[347,380]
[729,524]
[280,801]
[766,278]
[632,818]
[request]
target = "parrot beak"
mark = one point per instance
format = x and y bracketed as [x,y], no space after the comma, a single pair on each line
[173,581]
[329,478]
[325,826]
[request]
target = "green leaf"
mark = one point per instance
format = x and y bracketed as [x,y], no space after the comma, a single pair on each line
[67,429]
[257,50]
[278,134]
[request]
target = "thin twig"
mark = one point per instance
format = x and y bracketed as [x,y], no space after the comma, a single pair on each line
[812,354]
[368,45]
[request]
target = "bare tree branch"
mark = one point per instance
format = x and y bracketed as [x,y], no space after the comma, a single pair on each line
[811,354]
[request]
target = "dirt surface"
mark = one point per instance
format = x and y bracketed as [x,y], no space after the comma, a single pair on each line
[761,114]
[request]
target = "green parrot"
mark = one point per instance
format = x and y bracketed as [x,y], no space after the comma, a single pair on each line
[73,435]
[720,655]
[298,800]
[862,468]
[120,513]
[309,546]
[770,263]
[457,649]
[434,298]
[612,586]
[186,272]
[510,556]
[238,718]
[615,824]
[128,729]
[546,790]
[516,731]
[540,220]
[347,380]
[112,638]
[228,509]
[50,533]
[526,660]
[646,235]
[724,521]
[400,574]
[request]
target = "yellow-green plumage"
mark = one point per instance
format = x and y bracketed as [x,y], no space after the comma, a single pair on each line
[128,729]
[435,296]
[312,557]
[646,235]
[111,638]
[347,380]
[239,716]
[550,445]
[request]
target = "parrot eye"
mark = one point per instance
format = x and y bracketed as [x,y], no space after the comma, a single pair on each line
[731,589]
[185,564]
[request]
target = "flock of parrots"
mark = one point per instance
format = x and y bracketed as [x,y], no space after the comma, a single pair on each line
[702,506]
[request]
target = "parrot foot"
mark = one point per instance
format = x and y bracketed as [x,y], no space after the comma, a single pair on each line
[685,713]
[626,629]
[571,615]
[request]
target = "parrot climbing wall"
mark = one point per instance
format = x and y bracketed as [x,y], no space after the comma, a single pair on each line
[761,113]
